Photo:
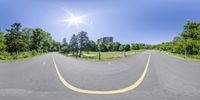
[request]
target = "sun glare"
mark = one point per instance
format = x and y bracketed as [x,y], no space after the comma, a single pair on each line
[76,20]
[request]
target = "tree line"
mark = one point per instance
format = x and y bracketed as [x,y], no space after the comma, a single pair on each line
[81,42]
[188,41]
[18,39]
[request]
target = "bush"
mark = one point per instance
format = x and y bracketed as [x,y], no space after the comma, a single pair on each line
[5,55]
[24,55]
[11,56]
[34,52]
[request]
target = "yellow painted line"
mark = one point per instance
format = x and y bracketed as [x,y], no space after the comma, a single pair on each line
[126,89]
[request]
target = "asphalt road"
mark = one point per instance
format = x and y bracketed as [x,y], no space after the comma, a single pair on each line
[167,78]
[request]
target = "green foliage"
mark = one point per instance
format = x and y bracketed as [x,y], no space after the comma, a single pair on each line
[191,31]
[83,41]
[34,53]
[106,56]
[56,46]
[41,40]
[102,47]
[135,46]
[122,48]
[15,40]
[116,46]
[113,46]
[187,42]
[64,43]
[91,46]
[28,33]
[138,46]
[25,43]
[9,56]
[2,42]
[65,49]
[4,55]
[127,47]
[73,43]
[110,46]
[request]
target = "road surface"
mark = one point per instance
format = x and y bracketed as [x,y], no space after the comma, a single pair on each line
[167,78]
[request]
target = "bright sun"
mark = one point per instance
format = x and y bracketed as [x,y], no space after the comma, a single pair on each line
[76,20]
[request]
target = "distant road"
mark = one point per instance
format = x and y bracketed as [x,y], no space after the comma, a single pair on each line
[166,78]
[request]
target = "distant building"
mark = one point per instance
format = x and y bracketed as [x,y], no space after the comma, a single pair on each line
[105,40]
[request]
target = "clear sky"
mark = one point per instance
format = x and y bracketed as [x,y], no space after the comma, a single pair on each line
[128,21]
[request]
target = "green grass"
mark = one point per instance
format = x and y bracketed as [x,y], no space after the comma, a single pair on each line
[106,56]
[182,56]
[21,55]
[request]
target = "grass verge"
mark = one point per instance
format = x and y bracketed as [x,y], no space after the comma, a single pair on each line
[182,56]
[22,55]
[105,56]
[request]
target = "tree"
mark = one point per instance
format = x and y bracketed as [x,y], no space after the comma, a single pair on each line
[41,40]
[73,43]
[82,41]
[18,40]
[101,47]
[28,33]
[15,40]
[64,43]
[123,48]
[2,40]
[110,46]
[91,46]
[56,46]
[187,42]
[191,31]
[65,47]
[178,45]
[127,47]
[116,46]
[48,43]
[191,34]
[135,46]
[149,46]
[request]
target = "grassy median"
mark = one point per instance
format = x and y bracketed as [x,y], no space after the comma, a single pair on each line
[105,56]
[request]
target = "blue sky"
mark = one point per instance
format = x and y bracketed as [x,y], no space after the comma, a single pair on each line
[128,21]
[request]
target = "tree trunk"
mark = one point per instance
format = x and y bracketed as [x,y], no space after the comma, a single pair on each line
[76,53]
[80,53]
[73,52]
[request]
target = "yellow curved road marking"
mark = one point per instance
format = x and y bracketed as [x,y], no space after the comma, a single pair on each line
[126,89]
